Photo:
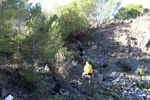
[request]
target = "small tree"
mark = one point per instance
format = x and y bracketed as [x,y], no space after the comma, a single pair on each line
[131,11]
[12,14]
[43,38]
[73,19]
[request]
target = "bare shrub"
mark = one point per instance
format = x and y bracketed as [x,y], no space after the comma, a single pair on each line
[141,71]
[61,66]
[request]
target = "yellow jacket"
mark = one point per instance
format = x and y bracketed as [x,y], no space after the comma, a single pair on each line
[88,68]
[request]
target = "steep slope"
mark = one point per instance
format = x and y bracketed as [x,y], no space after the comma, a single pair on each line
[122,42]
[117,43]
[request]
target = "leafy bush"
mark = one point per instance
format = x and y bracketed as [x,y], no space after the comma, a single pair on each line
[8,71]
[105,65]
[73,18]
[107,93]
[131,11]
[110,94]
[42,90]
[44,39]
[29,78]
[90,85]
[3,60]
[125,67]
[98,97]
[141,71]
[116,97]
[143,85]
[60,97]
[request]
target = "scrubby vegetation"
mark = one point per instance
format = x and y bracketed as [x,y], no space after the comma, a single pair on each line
[98,97]
[126,67]
[145,85]
[105,65]
[131,11]
[141,71]
[61,97]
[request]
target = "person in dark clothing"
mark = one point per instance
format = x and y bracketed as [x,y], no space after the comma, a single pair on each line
[57,87]
[80,48]
[1,88]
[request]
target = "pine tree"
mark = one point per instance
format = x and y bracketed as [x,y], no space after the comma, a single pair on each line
[43,39]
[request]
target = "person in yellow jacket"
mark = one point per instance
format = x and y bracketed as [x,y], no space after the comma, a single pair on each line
[87,70]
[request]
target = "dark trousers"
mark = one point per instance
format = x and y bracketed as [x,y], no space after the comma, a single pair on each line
[81,51]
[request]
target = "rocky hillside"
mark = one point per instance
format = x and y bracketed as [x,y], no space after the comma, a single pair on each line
[115,50]
[115,44]
[123,41]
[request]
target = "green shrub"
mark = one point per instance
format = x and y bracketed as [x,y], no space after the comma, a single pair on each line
[115,88]
[8,71]
[125,67]
[131,11]
[110,94]
[91,87]
[98,97]
[3,60]
[73,20]
[105,65]
[60,97]
[141,71]
[143,85]
[42,90]
[107,93]
[116,97]
[29,78]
